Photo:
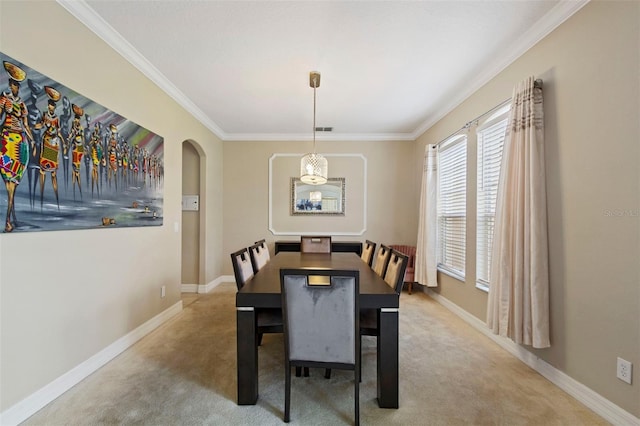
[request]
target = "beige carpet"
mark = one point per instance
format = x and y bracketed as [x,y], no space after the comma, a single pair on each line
[184,373]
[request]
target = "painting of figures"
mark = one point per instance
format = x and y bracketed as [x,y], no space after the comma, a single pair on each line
[69,163]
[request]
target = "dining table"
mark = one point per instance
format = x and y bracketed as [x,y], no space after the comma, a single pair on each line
[263,291]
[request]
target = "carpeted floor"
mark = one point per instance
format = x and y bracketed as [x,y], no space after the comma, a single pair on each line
[184,373]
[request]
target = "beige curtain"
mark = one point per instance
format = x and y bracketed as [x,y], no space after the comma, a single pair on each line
[518,305]
[426,267]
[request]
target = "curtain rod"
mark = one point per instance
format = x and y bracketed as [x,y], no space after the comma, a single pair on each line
[537,84]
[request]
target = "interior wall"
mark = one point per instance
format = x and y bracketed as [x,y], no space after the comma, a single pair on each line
[66,295]
[352,168]
[391,207]
[590,68]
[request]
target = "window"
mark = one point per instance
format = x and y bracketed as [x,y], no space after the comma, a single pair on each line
[452,193]
[490,142]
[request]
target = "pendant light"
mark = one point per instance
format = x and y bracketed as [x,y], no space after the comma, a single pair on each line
[313,166]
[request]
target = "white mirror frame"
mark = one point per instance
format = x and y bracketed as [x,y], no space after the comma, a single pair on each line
[302,231]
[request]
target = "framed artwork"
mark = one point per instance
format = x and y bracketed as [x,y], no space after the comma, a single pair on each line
[69,163]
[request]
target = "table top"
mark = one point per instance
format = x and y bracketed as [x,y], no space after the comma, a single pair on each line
[263,290]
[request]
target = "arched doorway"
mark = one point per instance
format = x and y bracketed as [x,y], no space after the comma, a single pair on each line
[192,217]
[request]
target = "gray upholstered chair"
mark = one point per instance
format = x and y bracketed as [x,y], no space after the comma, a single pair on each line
[382,260]
[321,324]
[315,244]
[368,250]
[268,320]
[394,277]
[259,256]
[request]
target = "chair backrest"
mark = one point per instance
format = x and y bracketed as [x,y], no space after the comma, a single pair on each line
[242,267]
[263,244]
[409,274]
[368,250]
[408,250]
[259,256]
[315,244]
[321,315]
[394,275]
[382,259]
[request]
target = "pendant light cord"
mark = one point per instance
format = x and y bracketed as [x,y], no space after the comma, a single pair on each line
[315,84]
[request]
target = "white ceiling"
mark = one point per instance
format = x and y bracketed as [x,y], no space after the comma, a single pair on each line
[390,69]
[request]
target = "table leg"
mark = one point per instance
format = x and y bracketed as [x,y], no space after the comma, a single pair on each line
[388,358]
[247,356]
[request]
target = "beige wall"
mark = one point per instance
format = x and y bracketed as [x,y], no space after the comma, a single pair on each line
[53,318]
[590,68]
[391,207]
[65,296]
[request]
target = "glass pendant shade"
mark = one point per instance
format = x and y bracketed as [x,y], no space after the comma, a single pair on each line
[314,169]
[315,196]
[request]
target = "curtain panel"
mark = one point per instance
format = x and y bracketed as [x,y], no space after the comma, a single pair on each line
[426,267]
[518,305]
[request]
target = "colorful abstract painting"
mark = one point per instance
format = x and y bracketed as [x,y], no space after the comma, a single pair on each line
[68,163]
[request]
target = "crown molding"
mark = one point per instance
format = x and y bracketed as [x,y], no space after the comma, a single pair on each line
[340,137]
[549,22]
[86,15]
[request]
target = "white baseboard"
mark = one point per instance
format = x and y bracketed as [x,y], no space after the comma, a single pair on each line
[189,288]
[206,288]
[594,401]
[36,401]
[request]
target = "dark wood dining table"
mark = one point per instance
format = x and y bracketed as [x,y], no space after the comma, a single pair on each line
[263,291]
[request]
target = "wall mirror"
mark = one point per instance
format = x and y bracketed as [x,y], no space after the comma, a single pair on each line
[327,199]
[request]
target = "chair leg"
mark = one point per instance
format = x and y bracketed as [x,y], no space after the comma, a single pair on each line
[357,379]
[259,339]
[327,373]
[360,361]
[410,287]
[287,392]
[299,371]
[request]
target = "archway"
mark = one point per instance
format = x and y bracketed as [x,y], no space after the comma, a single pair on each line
[193,214]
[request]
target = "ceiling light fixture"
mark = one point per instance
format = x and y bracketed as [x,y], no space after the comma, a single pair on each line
[314,167]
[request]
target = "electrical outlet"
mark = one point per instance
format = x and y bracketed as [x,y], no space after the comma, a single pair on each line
[624,370]
[163,292]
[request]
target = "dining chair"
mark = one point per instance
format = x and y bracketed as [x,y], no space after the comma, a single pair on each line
[409,273]
[310,244]
[394,277]
[382,260]
[321,324]
[268,320]
[396,267]
[368,250]
[242,267]
[263,244]
[259,256]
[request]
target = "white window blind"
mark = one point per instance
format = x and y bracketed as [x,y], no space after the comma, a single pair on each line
[452,194]
[490,144]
